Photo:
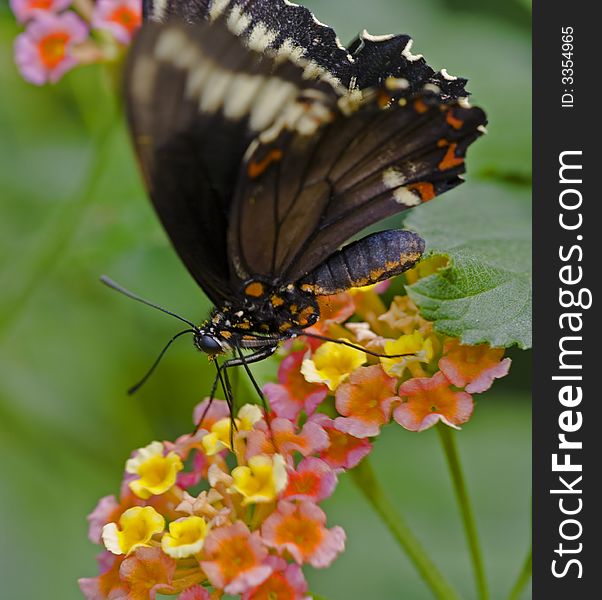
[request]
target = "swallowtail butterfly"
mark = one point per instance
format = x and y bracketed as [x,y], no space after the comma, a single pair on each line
[265,145]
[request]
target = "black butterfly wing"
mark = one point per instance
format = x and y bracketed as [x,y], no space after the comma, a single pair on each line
[291,30]
[393,153]
[196,97]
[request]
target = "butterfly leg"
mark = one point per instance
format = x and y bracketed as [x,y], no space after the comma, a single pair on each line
[243,360]
[217,379]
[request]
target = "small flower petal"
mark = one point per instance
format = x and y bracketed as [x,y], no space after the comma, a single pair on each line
[312,480]
[414,345]
[136,527]
[235,559]
[43,52]
[185,538]
[100,516]
[147,572]
[27,9]
[262,480]
[286,583]
[120,17]
[473,367]
[331,364]
[156,473]
[196,592]
[365,402]
[293,393]
[300,530]
[344,451]
[427,400]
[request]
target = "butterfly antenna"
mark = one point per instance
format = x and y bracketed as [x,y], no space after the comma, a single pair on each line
[136,387]
[317,336]
[115,286]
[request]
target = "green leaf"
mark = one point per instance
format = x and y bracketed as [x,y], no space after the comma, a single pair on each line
[484,294]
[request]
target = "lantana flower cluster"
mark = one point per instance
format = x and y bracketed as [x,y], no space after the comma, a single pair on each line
[234,508]
[61,34]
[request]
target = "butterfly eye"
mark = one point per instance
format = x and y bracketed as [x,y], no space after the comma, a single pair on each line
[209,344]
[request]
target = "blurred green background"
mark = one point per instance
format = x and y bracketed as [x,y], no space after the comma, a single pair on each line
[72,208]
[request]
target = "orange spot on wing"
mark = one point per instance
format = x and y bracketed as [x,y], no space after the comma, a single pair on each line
[420,106]
[255,289]
[425,190]
[255,169]
[276,301]
[383,99]
[453,120]
[450,160]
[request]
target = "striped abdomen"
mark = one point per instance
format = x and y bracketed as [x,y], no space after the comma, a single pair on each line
[369,260]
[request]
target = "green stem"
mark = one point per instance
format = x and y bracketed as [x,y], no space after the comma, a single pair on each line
[365,480]
[523,577]
[470,527]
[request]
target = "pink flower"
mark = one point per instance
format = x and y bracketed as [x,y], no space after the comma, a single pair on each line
[26,9]
[120,17]
[285,583]
[147,572]
[300,529]
[107,584]
[44,52]
[365,402]
[293,393]
[196,592]
[216,411]
[473,367]
[344,451]
[285,439]
[427,400]
[236,559]
[312,480]
[200,467]
[104,512]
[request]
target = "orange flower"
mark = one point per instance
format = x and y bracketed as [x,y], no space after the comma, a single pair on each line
[300,530]
[285,583]
[344,451]
[284,437]
[148,572]
[312,480]
[108,583]
[473,367]
[235,559]
[427,400]
[365,402]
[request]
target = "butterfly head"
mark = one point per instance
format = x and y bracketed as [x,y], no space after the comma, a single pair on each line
[209,341]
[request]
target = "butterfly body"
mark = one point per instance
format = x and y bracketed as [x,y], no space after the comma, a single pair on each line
[267,310]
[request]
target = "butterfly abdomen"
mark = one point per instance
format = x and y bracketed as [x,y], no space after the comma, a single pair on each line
[372,259]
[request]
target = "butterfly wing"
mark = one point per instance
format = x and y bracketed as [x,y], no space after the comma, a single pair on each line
[196,97]
[288,29]
[353,172]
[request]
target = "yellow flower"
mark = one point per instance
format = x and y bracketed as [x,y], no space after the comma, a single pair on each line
[331,364]
[157,473]
[185,538]
[137,526]
[262,480]
[219,438]
[248,415]
[418,349]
